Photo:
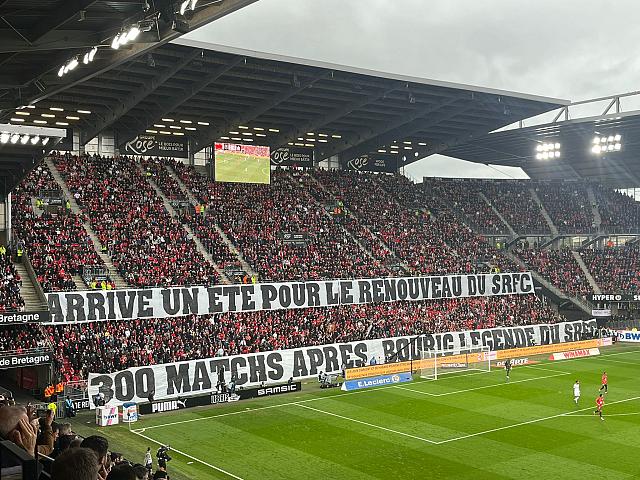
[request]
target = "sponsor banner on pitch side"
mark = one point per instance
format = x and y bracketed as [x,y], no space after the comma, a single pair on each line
[200,376]
[379,381]
[628,336]
[215,398]
[158,302]
[517,362]
[583,352]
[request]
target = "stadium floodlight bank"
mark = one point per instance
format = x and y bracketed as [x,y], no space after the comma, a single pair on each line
[434,363]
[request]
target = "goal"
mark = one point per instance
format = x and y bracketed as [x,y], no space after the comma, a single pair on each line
[435,363]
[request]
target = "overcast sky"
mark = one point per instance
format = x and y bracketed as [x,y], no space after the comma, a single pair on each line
[571,49]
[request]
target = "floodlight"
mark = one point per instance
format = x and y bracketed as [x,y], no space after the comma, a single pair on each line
[617,137]
[557,153]
[617,146]
[115,44]
[73,63]
[92,53]
[61,71]
[24,139]
[4,137]
[133,33]
[15,137]
[45,141]
[557,146]
[35,139]
[596,140]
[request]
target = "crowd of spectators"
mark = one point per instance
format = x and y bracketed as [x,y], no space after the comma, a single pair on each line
[567,203]
[54,238]
[615,269]
[513,199]
[147,246]
[110,346]
[61,454]
[10,282]
[619,212]
[463,196]
[559,267]
[195,216]
[256,217]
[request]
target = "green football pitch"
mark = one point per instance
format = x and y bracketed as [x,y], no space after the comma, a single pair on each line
[469,425]
[241,168]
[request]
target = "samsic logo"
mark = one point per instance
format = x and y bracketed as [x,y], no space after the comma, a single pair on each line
[277,390]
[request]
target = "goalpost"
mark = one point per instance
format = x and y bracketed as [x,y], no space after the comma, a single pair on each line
[434,363]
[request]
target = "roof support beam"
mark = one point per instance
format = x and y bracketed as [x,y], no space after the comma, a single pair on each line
[56,18]
[176,102]
[348,145]
[139,95]
[247,116]
[332,116]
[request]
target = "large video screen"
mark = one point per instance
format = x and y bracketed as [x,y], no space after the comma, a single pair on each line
[242,163]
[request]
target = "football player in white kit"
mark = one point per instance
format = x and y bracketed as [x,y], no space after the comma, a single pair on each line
[576,391]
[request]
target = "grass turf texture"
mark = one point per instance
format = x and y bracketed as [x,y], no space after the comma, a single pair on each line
[471,426]
[241,168]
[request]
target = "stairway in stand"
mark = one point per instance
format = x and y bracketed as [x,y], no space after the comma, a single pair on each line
[75,208]
[194,201]
[28,290]
[199,246]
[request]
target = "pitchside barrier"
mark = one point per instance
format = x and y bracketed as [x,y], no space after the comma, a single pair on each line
[429,363]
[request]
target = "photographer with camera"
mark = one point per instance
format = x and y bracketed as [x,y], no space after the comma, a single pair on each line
[163,456]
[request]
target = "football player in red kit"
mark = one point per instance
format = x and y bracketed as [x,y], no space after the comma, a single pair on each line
[604,383]
[599,405]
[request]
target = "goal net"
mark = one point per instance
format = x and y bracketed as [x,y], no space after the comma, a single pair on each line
[440,362]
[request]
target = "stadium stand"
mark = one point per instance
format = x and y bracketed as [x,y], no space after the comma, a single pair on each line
[615,269]
[619,212]
[568,206]
[56,242]
[513,200]
[147,246]
[10,298]
[254,217]
[109,346]
[557,266]
[465,197]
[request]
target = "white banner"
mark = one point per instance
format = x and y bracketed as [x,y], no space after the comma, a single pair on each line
[202,376]
[100,305]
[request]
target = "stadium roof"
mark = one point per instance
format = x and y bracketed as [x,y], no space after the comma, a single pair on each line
[209,92]
[37,37]
[21,149]
[517,147]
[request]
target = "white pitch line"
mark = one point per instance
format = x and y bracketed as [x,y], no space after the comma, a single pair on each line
[190,457]
[433,442]
[637,364]
[483,386]
[537,367]
[340,395]
[607,415]
[537,420]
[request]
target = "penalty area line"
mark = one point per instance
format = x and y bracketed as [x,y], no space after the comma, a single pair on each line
[206,464]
